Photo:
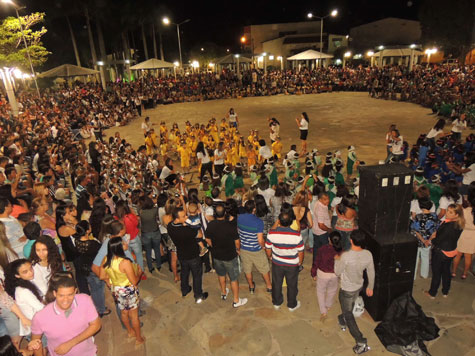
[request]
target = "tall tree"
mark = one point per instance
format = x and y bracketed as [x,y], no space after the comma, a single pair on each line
[448,24]
[12,49]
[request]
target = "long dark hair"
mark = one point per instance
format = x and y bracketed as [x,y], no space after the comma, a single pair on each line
[54,258]
[451,190]
[99,210]
[439,124]
[122,209]
[115,248]
[261,207]
[305,116]
[12,281]
[60,212]
[201,148]
[348,201]
[335,239]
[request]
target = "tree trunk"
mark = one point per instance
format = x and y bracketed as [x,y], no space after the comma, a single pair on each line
[73,39]
[161,42]
[144,40]
[125,45]
[132,55]
[102,49]
[91,38]
[154,40]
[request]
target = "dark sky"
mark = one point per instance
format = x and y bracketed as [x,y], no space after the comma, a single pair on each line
[220,22]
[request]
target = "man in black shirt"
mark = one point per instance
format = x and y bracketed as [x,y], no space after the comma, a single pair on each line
[223,238]
[185,239]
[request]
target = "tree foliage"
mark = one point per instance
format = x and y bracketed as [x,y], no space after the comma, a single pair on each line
[12,47]
[448,24]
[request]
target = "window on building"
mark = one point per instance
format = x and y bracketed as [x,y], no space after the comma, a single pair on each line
[337,41]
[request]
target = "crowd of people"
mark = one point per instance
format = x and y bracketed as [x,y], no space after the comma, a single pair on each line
[79,211]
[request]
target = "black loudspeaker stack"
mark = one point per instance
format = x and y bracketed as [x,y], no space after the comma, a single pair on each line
[384,208]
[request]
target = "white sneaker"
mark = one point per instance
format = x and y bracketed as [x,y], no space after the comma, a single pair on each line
[296,307]
[242,301]
[276,307]
[224,296]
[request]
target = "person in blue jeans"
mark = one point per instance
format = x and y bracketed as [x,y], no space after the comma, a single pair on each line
[150,230]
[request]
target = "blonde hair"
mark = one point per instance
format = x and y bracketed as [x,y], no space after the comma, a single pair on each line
[460,221]
[5,247]
[301,199]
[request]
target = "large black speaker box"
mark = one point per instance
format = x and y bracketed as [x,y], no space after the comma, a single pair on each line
[394,263]
[384,199]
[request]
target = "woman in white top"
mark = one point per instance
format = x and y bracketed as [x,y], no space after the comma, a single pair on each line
[466,242]
[450,196]
[421,192]
[302,123]
[233,118]
[219,154]
[19,285]
[204,160]
[264,189]
[437,130]
[46,261]
[458,125]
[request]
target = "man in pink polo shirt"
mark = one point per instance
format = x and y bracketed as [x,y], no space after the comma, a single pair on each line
[68,323]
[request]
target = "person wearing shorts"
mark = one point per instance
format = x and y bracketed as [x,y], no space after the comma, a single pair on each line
[302,123]
[251,235]
[223,239]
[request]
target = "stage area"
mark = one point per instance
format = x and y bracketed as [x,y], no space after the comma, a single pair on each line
[337,120]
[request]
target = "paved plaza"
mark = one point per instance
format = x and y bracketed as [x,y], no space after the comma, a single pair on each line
[177,326]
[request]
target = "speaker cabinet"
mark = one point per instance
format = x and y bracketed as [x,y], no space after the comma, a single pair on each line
[394,263]
[385,198]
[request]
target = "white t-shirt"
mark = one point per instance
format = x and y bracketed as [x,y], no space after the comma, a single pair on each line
[459,125]
[29,306]
[162,226]
[444,202]
[303,124]
[335,202]
[41,278]
[469,177]
[265,152]
[267,194]
[165,172]
[146,127]
[434,133]
[218,157]
[397,147]
[232,117]
[203,157]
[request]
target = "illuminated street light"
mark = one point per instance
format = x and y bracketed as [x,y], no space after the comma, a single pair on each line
[370,53]
[100,63]
[195,64]
[176,63]
[211,64]
[166,21]
[243,39]
[347,54]
[412,46]
[227,50]
[271,57]
[310,15]
[202,49]
[279,58]
[127,61]
[381,47]
[429,52]
[17,7]
[237,55]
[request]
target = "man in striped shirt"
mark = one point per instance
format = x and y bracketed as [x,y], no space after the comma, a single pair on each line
[251,235]
[286,248]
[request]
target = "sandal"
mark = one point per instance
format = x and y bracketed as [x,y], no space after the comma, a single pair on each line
[464,276]
[253,288]
[138,343]
[454,275]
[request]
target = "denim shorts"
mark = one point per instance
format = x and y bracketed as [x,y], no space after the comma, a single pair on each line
[229,267]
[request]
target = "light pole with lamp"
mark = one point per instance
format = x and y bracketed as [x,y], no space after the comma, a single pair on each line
[166,21]
[321,18]
[345,56]
[238,69]
[381,49]
[6,74]
[371,54]
[24,41]
[429,52]
[279,58]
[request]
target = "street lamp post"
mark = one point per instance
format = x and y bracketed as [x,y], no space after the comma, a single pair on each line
[166,21]
[429,52]
[321,18]
[7,80]
[345,56]
[24,41]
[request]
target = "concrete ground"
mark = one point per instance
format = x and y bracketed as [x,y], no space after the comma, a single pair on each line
[177,326]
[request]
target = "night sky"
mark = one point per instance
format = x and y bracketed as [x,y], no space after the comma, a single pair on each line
[219,22]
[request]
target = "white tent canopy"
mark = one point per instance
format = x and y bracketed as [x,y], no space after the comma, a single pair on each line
[67,70]
[309,55]
[231,59]
[398,52]
[152,63]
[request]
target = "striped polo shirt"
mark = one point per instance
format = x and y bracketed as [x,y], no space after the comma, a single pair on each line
[249,226]
[286,244]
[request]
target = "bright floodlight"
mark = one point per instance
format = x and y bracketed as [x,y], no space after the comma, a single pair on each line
[166,21]
[227,50]
[347,54]
[279,58]
[381,47]
[243,39]
[334,13]
[369,53]
[17,73]
[430,51]
[271,57]
[7,1]
[309,15]
[195,64]
[211,64]
[264,54]
[412,46]
[100,63]
[236,55]
[176,63]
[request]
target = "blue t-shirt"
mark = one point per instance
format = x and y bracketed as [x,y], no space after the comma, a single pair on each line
[27,248]
[103,252]
[249,226]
